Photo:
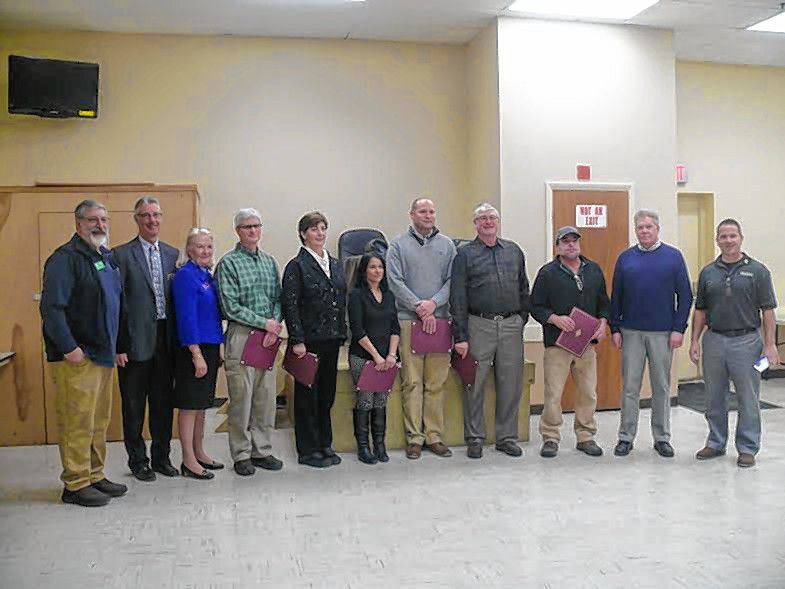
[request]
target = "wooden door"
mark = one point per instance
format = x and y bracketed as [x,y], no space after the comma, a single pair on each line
[33,222]
[602,245]
[696,242]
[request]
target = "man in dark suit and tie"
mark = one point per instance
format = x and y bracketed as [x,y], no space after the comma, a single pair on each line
[144,361]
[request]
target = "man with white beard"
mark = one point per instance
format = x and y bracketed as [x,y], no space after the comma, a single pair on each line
[80,310]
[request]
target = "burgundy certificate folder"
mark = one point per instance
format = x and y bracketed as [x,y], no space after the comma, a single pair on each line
[439,342]
[254,352]
[465,367]
[578,340]
[302,369]
[376,381]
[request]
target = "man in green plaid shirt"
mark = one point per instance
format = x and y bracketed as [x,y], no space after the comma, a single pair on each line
[249,287]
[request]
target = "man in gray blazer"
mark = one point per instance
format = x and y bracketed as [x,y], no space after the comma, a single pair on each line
[144,360]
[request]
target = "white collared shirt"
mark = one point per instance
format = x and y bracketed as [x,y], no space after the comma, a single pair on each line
[657,244]
[323,260]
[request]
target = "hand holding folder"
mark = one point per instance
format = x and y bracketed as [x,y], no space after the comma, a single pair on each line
[375,381]
[577,341]
[256,354]
[302,369]
[439,342]
[465,367]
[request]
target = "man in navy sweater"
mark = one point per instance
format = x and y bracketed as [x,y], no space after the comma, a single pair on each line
[650,305]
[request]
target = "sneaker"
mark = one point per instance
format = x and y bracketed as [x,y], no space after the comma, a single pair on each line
[440,449]
[267,462]
[86,497]
[474,450]
[107,487]
[589,447]
[745,460]
[244,468]
[623,448]
[413,451]
[664,449]
[709,453]
[549,449]
[509,447]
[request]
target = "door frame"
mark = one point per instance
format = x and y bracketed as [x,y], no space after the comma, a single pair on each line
[551,185]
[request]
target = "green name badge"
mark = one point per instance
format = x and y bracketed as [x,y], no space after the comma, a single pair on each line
[99,265]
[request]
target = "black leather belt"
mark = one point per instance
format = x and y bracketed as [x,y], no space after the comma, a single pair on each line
[495,316]
[735,332]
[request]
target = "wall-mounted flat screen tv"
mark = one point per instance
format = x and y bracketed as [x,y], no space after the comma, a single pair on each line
[52,88]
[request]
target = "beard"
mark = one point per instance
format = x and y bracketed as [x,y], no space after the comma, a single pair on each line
[99,239]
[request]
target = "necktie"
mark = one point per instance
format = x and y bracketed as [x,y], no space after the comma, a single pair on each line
[155,274]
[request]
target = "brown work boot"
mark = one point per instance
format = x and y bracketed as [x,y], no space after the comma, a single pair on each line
[440,449]
[413,451]
[709,453]
[745,460]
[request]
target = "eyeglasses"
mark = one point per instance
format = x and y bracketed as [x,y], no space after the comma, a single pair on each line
[250,227]
[148,216]
[96,220]
[483,218]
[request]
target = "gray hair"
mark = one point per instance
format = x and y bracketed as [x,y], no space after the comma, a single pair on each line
[653,215]
[413,206]
[484,207]
[244,214]
[146,200]
[86,204]
[193,233]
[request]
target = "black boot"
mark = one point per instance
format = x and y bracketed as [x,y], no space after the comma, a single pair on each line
[361,419]
[378,429]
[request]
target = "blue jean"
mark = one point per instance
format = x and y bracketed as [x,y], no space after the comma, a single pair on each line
[728,359]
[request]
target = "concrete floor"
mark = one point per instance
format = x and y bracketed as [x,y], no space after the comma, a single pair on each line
[574,521]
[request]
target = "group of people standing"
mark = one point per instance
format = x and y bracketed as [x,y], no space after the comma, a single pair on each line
[161,325]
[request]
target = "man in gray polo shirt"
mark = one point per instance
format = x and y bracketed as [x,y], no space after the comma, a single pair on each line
[733,292]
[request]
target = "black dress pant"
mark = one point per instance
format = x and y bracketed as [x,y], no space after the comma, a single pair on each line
[143,383]
[312,426]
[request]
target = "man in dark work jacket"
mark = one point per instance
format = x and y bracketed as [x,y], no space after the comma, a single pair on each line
[570,280]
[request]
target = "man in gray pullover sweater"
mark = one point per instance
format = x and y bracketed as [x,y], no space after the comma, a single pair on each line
[419,263]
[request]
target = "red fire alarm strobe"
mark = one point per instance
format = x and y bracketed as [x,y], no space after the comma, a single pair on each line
[584,171]
[681,174]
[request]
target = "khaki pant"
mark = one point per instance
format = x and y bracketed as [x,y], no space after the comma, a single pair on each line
[558,365]
[251,400]
[422,389]
[83,405]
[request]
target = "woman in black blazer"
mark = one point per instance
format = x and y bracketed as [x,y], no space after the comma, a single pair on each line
[313,302]
[376,333]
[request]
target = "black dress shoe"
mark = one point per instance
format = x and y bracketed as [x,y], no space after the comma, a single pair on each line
[317,460]
[623,448]
[86,497]
[664,449]
[189,474]
[211,465]
[244,467]
[267,462]
[107,487]
[165,469]
[143,473]
[330,453]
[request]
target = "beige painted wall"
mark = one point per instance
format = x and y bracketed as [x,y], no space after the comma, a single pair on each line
[353,128]
[573,92]
[482,95]
[731,135]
